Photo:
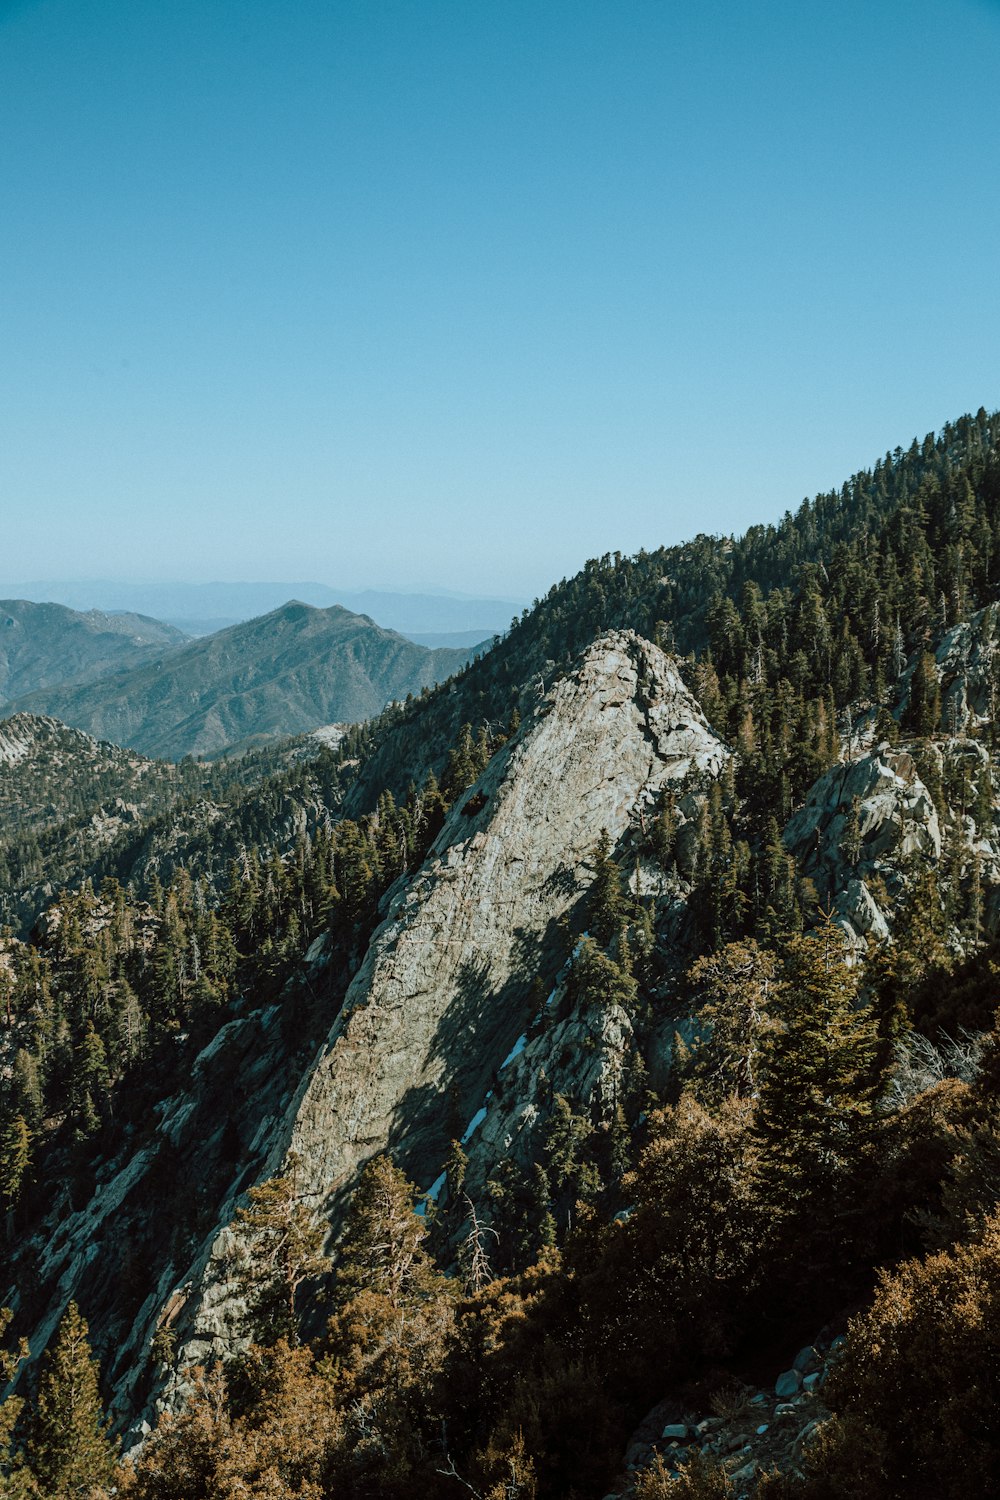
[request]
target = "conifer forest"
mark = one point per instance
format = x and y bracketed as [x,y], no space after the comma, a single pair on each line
[580,1079]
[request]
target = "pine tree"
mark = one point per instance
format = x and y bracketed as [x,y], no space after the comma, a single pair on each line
[819,1085]
[455,1167]
[284,1249]
[463,766]
[599,981]
[68,1448]
[15,1159]
[923,711]
[382,1247]
[733,992]
[605,899]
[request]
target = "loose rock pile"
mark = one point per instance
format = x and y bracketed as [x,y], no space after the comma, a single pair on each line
[750,1432]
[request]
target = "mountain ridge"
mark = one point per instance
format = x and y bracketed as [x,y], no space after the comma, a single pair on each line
[44,645]
[276,675]
[206,607]
[661,944]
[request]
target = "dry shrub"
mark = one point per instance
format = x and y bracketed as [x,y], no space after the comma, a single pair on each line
[700,1479]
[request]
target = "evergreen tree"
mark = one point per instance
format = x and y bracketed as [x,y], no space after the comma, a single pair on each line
[68,1450]
[284,1239]
[923,710]
[819,1085]
[605,899]
[733,992]
[598,981]
[15,1480]
[382,1247]
[15,1159]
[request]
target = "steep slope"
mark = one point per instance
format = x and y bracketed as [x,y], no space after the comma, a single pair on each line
[73,808]
[442,994]
[825,757]
[281,674]
[44,645]
[463,941]
[66,800]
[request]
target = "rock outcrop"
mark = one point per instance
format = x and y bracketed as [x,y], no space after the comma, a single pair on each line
[747,1433]
[443,994]
[861,823]
[870,822]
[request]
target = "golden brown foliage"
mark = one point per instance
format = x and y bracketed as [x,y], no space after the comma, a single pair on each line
[918,1391]
[700,1479]
[282,1445]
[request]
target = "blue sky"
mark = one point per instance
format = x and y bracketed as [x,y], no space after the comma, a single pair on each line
[399,294]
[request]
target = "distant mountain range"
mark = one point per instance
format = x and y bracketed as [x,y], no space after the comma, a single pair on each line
[42,645]
[201,608]
[282,673]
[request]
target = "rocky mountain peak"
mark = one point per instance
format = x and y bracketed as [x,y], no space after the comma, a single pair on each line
[443,993]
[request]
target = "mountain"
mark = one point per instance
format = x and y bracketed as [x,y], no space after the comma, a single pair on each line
[202,608]
[74,809]
[280,674]
[42,645]
[581,1080]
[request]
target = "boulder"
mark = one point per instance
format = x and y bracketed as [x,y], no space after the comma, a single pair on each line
[788,1384]
[805,1435]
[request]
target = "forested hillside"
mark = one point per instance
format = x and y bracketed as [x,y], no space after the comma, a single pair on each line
[283,673]
[73,809]
[44,645]
[580,1081]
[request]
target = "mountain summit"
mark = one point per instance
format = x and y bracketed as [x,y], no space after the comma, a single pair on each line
[42,645]
[280,674]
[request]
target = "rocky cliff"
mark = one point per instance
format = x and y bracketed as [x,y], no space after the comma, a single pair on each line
[442,995]
[437,1011]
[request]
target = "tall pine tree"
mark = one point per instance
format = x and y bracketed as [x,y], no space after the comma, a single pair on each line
[68,1448]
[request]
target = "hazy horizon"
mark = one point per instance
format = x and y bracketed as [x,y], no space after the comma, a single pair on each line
[203,608]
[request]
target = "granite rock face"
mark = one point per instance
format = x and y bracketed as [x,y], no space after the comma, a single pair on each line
[870,822]
[864,820]
[443,993]
[877,803]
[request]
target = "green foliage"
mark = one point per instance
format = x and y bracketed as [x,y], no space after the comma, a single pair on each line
[68,1450]
[382,1248]
[598,981]
[815,1118]
[732,992]
[15,1159]
[605,899]
[923,712]
[283,1237]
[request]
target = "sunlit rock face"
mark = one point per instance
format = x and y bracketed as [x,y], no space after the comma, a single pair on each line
[442,995]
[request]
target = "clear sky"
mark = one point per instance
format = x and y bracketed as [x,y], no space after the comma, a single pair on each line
[397,293]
